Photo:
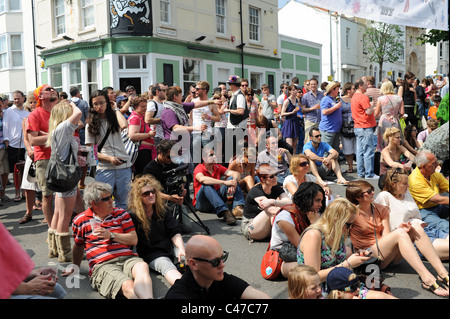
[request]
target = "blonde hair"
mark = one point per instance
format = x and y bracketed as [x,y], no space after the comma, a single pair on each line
[336,294]
[387,88]
[297,280]
[135,200]
[60,112]
[333,220]
[295,162]
[390,131]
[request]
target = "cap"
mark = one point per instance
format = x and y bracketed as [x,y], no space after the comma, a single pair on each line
[234,79]
[339,278]
[120,98]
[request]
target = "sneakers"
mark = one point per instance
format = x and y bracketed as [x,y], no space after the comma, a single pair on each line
[238,211]
[373,177]
[228,217]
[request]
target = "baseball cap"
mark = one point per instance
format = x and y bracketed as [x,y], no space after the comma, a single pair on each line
[340,278]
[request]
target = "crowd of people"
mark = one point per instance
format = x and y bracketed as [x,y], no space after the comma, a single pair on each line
[285,150]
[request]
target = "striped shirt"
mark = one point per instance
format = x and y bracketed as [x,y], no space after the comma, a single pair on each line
[101,250]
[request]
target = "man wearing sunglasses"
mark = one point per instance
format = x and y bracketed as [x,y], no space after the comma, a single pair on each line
[321,165]
[113,267]
[205,277]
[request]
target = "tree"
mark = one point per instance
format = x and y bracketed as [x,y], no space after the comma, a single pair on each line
[382,43]
[433,37]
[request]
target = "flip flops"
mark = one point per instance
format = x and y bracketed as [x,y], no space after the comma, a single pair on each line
[25,219]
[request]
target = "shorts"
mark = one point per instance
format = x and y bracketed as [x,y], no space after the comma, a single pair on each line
[108,277]
[41,168]
[71,193]
[162,265]
[246,227]
[4,164]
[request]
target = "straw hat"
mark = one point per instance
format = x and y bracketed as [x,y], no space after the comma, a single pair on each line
[331,86]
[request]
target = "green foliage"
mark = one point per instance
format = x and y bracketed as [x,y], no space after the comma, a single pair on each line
[433,37]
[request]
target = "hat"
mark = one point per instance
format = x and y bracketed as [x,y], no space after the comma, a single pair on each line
[338,279]
[234,79]
[331,86]
[31,176]
[120,98]
[36,93]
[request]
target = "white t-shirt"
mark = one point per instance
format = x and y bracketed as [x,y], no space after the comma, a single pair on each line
[291,179]
[197,119]
[151,107]
[402,211]
[278,236]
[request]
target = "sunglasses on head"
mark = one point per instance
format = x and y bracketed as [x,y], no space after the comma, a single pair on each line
[216,261]
[147,193]
[49,89]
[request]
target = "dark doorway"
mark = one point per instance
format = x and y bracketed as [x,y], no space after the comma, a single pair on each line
[168,74]
[136,82]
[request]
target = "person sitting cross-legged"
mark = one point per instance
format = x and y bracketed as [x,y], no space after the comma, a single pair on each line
[321,165]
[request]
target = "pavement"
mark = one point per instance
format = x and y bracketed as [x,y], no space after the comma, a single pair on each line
[244,259]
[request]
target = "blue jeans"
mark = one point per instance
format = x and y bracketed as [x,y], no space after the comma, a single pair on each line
[210,200]
[120,180]
[435,217]
[365,152]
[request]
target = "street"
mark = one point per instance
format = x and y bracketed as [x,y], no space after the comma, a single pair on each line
[244,257]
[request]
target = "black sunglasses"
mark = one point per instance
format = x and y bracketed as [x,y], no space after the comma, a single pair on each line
[320,135]
[49,89]
[147,193]
[216,261]
[369,191]
[107,198]
[303,164]
[352,288]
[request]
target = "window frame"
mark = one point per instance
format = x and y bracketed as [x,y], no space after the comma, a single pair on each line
[221,18]
[57,17]
[167,4]
[83,9]
[256,25]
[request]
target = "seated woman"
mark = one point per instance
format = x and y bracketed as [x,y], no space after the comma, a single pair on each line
[292,221]
[403,209]
[159,234]
[262,203]
[246,168]
[371,231]
[299,167]
[410,142]
[394,155]
[322,245]
[265,128]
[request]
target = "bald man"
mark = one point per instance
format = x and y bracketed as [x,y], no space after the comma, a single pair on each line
[205,277]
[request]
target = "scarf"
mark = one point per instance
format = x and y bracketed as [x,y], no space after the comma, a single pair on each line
[178,110]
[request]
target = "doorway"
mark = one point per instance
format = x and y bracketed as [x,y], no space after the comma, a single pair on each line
[136,82]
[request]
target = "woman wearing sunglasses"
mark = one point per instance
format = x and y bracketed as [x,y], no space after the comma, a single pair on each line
[299,168]
[263,201]
[371,231]
[159,234]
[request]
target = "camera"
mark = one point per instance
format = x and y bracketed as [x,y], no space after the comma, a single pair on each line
[175,178]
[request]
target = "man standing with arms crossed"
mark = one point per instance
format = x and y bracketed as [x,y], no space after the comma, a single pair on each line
[37,128]
[311,107]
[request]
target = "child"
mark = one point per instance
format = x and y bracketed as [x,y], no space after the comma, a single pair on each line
[342,283]
[304,283]
[434,108]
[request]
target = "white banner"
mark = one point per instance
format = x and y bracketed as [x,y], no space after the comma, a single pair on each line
[429,14]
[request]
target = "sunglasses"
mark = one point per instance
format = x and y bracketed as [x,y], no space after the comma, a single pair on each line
[303,164]
[320,135]
[370,191]
[106,199]
[147,193]
[216,261]
[352,288]
[49,89]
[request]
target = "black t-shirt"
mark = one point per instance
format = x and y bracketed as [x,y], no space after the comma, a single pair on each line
[157,170]
[251,207]
[231,287]
[159,242]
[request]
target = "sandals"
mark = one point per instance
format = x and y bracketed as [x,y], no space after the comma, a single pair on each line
[444,280]
[18,199]
[25,219]
[432,288]
[349,171]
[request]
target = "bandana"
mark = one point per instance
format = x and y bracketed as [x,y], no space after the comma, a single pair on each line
[37,92]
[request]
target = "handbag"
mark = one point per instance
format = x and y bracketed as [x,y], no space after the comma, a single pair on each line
[62,176]
[131,147]
[271,264]
[347,129]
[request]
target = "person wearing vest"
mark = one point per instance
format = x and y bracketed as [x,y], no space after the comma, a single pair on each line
[238,107]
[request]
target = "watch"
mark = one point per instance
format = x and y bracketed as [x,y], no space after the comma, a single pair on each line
[112,236]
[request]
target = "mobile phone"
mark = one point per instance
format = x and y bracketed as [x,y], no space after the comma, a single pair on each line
[121,160]
[369,254]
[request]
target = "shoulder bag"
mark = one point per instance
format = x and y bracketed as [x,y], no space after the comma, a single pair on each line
[131,146]
[62,176]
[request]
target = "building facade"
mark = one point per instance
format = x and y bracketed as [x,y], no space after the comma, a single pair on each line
[97,43]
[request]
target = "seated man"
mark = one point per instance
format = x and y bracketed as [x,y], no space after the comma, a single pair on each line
[276,157]
[320,165]
[210,191]
[113,267]
[426,186]
[205,278]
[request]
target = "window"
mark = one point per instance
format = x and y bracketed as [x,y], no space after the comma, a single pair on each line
[87,13]
[92,76]
[60,18]
[3,52]
[254,24]
[132,62]
[10,5]
[191,73]
[16,50]
[11,55]
[441,50]
[220,16]
[347,38]
[164,6]
[75,74]
[56,77]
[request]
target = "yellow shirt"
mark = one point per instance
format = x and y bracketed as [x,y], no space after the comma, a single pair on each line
[422,190]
